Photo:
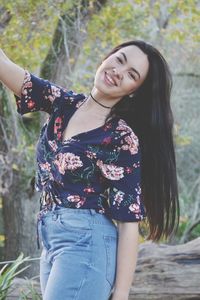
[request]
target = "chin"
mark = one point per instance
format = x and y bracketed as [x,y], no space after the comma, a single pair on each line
[101,89]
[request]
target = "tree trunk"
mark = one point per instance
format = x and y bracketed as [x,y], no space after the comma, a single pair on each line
[21,204]
[67,42]
[19,210]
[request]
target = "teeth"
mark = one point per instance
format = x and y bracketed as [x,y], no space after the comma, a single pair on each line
[110,79]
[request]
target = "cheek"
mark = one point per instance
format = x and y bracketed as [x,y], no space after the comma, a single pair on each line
[100,70]
[133,85]
[106,64]
[129,86]
[98,74]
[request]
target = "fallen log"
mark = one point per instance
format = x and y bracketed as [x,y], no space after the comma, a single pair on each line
[167,272]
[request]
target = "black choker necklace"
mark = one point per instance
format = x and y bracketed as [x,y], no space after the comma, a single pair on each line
[99,102]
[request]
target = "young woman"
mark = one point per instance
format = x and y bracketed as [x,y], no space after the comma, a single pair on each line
[105,162]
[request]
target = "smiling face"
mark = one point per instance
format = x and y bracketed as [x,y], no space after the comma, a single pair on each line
[122,73]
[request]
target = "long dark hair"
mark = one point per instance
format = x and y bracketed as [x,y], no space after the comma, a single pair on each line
[149,115]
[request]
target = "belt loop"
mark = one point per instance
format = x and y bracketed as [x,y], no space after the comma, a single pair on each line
[92,211]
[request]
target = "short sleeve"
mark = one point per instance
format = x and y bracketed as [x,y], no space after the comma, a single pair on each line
[38,95]
[124,181]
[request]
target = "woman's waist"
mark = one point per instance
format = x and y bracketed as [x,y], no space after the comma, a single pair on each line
[73,215]
[71,198]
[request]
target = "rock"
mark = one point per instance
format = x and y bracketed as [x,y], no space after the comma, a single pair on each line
[23,286]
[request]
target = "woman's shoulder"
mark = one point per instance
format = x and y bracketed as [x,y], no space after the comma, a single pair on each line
[120,139]
[125,134]
[74,98]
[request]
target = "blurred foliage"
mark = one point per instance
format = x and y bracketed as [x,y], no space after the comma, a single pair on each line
[28,36]
[184,224]
[8,273]
[174,22]
[180,139]
[31,293]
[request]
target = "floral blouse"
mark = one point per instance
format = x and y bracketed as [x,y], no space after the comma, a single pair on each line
[97,169]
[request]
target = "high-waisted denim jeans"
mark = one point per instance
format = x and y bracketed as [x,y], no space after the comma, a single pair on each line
[79,252]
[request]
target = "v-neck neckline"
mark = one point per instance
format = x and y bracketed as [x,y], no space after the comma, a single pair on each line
[65,141]
[99,128]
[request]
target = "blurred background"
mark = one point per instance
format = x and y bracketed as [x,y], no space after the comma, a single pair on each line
[63,41]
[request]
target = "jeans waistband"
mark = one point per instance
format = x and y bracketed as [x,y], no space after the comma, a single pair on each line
[58,209]
[98,218]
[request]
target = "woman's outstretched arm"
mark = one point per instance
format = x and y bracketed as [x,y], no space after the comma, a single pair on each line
[126,259]
[11,74]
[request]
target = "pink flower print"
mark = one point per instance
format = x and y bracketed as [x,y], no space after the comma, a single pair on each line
[124,147]
[67,161]
[26,86]
[89,190]
[90,154]
[131,139]
[119,196]
[27,83]
[102,211]
[122,126]
[58,122]
[107,140]
[131,143]
[107,126]
[31,104]
[53,145]
[128,170]
[55,91]
[134,208]
[45,167]
[80,203]
[111,171]
[74,198]
[58,126]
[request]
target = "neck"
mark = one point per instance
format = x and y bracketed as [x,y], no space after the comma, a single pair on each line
[101,101]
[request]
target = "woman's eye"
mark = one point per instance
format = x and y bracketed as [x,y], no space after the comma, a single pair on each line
[132,76]
[120,60]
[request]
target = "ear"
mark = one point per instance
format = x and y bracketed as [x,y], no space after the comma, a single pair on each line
[131,95]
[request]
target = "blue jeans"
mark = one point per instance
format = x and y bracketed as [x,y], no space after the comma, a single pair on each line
[79,252]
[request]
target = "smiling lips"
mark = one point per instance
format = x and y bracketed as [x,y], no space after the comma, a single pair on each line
[109,79]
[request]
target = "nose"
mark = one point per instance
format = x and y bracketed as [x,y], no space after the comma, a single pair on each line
[117,73]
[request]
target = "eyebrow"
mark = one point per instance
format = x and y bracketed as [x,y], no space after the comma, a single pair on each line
[133,69]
